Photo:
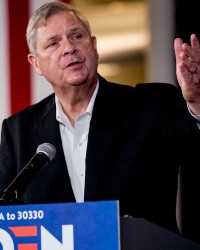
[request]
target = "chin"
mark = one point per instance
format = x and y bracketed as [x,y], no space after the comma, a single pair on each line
[76,81]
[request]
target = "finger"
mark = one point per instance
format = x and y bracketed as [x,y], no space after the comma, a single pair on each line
[193,51]
[178,48]
[189,64]
[190,52]
[194,42]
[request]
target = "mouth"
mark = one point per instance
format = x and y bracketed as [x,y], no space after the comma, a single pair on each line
[73,63]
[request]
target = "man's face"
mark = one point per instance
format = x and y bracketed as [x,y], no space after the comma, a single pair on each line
[65,53]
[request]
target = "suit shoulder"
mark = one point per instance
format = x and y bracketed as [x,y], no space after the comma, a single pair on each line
[155,87]
[33,109]
[161,91]
[146,90]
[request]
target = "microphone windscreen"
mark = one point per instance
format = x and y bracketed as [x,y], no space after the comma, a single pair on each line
[48,149]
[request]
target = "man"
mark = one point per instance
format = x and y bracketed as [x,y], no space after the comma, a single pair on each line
[113,142]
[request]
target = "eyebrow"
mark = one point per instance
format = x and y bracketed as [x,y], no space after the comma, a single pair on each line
[57,36]
[77,29]
[51,38]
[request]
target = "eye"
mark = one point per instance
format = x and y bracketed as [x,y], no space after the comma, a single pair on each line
[53,43]
[77,36]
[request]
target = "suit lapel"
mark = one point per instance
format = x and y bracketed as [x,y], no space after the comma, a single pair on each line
[47,130]
[98,146]
[99,140]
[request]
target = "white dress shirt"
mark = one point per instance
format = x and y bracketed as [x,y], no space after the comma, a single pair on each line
[74,142]
[196,117]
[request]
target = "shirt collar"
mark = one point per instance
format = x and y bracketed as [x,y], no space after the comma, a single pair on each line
[60,115]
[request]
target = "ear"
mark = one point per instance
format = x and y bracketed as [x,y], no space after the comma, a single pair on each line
[34,62]
[94,41]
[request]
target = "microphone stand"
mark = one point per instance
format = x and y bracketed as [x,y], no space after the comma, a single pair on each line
[19,184]
[13,193]
[9,198]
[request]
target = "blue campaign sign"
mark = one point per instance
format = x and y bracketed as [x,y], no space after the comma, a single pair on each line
[62,226]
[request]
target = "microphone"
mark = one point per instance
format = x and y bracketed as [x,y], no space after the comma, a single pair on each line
[45,153]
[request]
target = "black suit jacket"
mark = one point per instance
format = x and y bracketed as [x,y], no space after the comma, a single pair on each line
[137,141]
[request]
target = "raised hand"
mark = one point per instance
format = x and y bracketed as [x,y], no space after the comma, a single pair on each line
[188,71]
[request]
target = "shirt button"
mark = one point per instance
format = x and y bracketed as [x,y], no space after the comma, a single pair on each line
[81,174]
[80,144]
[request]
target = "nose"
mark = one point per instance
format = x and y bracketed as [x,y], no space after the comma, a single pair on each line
[69,48]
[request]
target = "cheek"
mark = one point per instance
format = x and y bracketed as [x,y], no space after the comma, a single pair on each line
[92,54]
[46,63]
[94,58]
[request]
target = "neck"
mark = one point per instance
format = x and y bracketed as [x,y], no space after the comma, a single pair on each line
[75,101]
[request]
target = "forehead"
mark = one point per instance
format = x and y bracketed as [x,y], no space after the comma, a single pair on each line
[57,24]
[66,18]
